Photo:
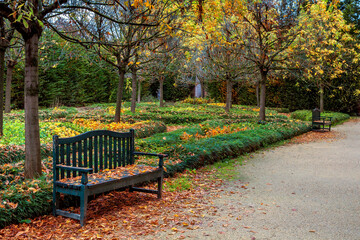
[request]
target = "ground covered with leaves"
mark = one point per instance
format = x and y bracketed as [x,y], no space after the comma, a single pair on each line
[192,135]
[187,198]
[136,214]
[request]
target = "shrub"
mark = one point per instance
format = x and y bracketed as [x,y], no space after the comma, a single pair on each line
[306,115]
[198,100]
[21,198]
[16,153]
[210,150]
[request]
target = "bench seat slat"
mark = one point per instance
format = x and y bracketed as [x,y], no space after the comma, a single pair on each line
[110,174]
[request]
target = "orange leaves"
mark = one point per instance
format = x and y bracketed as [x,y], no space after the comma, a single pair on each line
[316,136]
[125,215]
[212,132]
[7,204]
[111,174]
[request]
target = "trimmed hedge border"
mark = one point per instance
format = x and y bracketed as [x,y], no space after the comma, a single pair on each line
[209,150]
[306,115]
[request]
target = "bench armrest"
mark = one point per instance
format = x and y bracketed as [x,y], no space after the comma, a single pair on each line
[161,156]
[326,118]
[84,172]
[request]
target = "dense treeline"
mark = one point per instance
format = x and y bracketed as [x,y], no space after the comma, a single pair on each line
[71,75]
[74,80]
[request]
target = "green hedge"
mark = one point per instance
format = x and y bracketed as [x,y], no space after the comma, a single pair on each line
[209,150]
[306,115]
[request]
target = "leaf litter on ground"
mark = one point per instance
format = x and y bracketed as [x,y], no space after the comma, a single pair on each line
[132,215]
[128,215]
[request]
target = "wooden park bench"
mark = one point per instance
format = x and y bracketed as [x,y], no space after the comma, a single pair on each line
[97,162]
[319,122]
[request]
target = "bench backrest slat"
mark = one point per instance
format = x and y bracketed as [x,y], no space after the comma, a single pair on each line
[100,149]
[68,159]
[316,114]
[96,149]
[73,155]
[96,155]
[80,154]
[85,153]
[110,153]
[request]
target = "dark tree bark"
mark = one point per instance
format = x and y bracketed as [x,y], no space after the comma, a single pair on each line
[9,72]
[120,90]
[2,74]
[257,94]
[202,85]
[321,98]
[139,92]
[228,95]
[262,95]
[133,85]
[6,35]
[32,130]
[161,80]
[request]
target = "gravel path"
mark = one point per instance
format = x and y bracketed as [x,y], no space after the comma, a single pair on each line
[297,191]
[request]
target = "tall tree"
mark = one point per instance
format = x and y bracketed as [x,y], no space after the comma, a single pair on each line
[6,34]
[13,56]
[267,36]
[323,46]
[28,17]
[117,42]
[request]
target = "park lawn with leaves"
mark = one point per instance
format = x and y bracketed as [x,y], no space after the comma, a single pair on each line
[187,197]
[191,146]
[125,215]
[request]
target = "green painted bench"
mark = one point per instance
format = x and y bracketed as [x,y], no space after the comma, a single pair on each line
[97,162]
[319,122]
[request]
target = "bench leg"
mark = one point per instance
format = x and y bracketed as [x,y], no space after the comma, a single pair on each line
[83,205]
[56,200]
[160,182]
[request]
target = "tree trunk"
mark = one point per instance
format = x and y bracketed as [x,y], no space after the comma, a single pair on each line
[2,74]
[32,131]
[262,96]
[9,73]
[321,97]
[202,85]
[161,91]
[133,93]
[139,92]
[228,95]
[257,94]
[120,91]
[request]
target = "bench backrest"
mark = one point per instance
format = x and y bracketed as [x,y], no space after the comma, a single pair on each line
[100,149]
[316,114]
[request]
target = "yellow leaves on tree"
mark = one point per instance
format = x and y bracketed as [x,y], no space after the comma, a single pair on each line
[323,42]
